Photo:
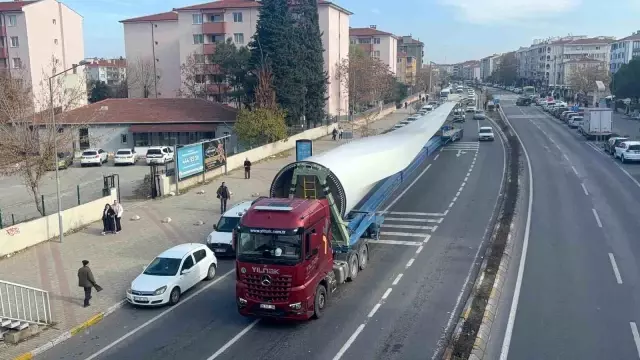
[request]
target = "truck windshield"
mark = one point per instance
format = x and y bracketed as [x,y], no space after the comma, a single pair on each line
[270,247]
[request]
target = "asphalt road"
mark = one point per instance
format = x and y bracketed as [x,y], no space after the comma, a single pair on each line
[579,294]
[431,237]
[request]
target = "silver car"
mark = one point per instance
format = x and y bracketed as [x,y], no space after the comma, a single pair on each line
[479,115]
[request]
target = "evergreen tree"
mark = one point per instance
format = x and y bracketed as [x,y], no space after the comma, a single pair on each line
[310,60]
[274,45]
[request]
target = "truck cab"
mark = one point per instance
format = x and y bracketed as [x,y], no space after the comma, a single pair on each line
[284,259]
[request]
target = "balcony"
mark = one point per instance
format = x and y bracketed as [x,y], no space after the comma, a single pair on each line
[209,49]
[214,27]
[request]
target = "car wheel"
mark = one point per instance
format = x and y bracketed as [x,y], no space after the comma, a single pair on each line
[211,272]
[353,267]
[174,297]
[622,160]
[320,301]
[363,257]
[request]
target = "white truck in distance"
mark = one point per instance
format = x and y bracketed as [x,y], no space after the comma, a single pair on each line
[597,122]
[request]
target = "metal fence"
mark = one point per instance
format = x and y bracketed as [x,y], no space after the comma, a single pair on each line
[22,305]
[26,210]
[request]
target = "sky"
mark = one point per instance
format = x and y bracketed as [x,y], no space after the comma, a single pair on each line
[452,30]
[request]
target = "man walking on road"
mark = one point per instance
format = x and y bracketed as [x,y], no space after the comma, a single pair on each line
[86,281]
[117,207]
[247,169]
[223,194]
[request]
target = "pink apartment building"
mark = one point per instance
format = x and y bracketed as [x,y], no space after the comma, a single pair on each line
[34,32]
[379,44]
[166,41]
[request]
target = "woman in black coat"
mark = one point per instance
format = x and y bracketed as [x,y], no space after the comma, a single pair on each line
[108,220]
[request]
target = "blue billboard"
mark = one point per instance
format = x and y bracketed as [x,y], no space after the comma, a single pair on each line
[190,160]
[304,149]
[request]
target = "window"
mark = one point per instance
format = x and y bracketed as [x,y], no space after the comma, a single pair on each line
[199,255]
[376,40]
[53,21]
[364,41]
[375,54]
[199,79]
[197,19]
[237,17]
[12,20]
[238,38]
[14,41]
[188,263]
[123,138]
[216,18]
[16,63]
[83,135]
[55,41]
[198,58]
[198,39]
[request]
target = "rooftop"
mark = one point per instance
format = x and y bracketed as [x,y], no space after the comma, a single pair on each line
[150,111]
[93,63]
[634,37]
[369,31]
[165,16]
[14,5]
[585,41]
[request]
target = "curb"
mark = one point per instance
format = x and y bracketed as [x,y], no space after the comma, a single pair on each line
[74,331]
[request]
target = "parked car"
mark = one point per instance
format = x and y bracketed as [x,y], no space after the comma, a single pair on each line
[613,142]
[479,115]
[94,157]
[65,159]
[628,151]
[125,157]
[159,155]
[485,133]
[221,238]
[171,274]
[576,121]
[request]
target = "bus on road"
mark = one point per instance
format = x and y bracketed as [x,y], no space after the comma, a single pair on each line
[528,91]
[445,93]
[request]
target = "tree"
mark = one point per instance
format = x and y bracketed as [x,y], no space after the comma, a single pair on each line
[28,138]
[231,64]
[626,81]
[192,78]
[143,78]
[583,75]
[120,90]
[506,71]
[98,91]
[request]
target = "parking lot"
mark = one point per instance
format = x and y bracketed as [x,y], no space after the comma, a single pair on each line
[17,203]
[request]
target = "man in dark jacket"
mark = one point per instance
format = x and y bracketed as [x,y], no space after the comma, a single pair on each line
[247,169]
[86,281]
[223,194]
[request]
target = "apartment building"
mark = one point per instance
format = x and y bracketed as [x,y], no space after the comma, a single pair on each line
[471,70]
[623,50]
[380,44]
[38,38]
[407,69]
[567,68]
[488,65]
[109,71]
[446,68]
[413,48]
[160,43]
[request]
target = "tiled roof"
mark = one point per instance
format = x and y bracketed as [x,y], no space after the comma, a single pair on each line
[14,5]
[166,16]
[222,4]
[586,41]
[631,38]
[367,32]
[150,111]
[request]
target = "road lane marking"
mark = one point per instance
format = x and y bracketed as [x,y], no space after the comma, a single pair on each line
[451,204]
[409,227]
[412,213]
[397,280]
[161,315]
[410,262]
[386,294]
[373,311]
[595,214]
[565,157]
[636,336]
[616,164]
[574,170]
[419,249]
[393,233]
[414,220]
[455,198]
[347,345]
[426,239]
[396,242]
[584,188]
[233,340]
[616,271]
[436,157]
[458,193]
[407,188]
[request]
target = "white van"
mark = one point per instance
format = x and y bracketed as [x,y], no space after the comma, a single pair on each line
[221,238]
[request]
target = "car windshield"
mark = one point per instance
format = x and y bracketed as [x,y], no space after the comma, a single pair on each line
[61,155]
[123,152]
[163,267]
[634,147]
[270,247]
[154,152]
[480,112]
[89,153]
[227,223]
[485,130]
[578,118]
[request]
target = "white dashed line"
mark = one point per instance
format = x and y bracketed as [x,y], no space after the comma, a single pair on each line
[455,198]
[565,157]
[574,170]
[464,183]
[414,220]
[412,227]
[584,188]
[426,239]
[411,213]
[410,262]
[616,271]
[636,336]
[373,311]
[446,212]
[466,178]
[458,193]
[386,294]
[393,233]
[451,205]
[436,157]
[419,249]
[397,280]
[469,174]
[595,214]
[347,345]
[396,242]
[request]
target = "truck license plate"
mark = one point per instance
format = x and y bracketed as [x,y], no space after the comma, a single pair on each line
[267,306]
[137,298]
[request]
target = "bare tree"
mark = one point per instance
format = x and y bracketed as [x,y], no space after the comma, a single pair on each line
[143,78]
[193,78]
[583,75]
[28,137]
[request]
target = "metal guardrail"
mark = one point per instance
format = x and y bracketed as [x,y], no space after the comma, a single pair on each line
[25,304]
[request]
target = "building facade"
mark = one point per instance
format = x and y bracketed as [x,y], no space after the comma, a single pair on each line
[488,65]
[471,70]
[407,69]
[379,44]
[161,43]
[413,48]
[623,50]
[109,71]
[38,38]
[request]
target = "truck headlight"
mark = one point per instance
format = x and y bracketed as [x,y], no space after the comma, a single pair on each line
[160,291]
[296,306]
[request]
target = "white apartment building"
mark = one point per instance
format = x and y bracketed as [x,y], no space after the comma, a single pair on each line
[162,42]
[623,50]
[109,71]
[567,68]
[35,36]
[488,65]
[380,44]
[471,70]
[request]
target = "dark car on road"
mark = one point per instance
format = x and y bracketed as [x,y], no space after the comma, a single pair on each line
[523,101]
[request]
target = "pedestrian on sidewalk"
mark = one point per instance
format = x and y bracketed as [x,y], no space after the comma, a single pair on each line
[334,134]
[119,210]
[87,281]
[223,194]
[247,168]
[339,133]
[108,222]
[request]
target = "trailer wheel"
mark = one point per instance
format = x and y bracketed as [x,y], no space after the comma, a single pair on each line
[353,267]
[363,256]
[320,301]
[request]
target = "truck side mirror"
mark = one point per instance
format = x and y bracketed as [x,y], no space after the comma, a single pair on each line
[215,227]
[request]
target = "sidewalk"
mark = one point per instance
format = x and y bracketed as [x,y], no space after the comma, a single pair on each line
[117,259]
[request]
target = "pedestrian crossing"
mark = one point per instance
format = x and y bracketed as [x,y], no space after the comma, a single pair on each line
[464,146]
[408,228]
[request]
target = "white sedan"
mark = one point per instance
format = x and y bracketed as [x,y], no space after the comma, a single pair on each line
[172,273]
[125,157]
[471,109]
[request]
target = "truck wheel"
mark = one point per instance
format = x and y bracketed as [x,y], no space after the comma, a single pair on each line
[320,301]
[353,267]
[363,256]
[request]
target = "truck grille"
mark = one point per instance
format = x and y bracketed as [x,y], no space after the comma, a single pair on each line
[277,291]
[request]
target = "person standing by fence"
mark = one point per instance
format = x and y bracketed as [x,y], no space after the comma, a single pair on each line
[247,169]
[108,224]
[119,210]
[223,194]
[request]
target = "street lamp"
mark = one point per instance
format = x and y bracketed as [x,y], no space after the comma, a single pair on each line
[55,143]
